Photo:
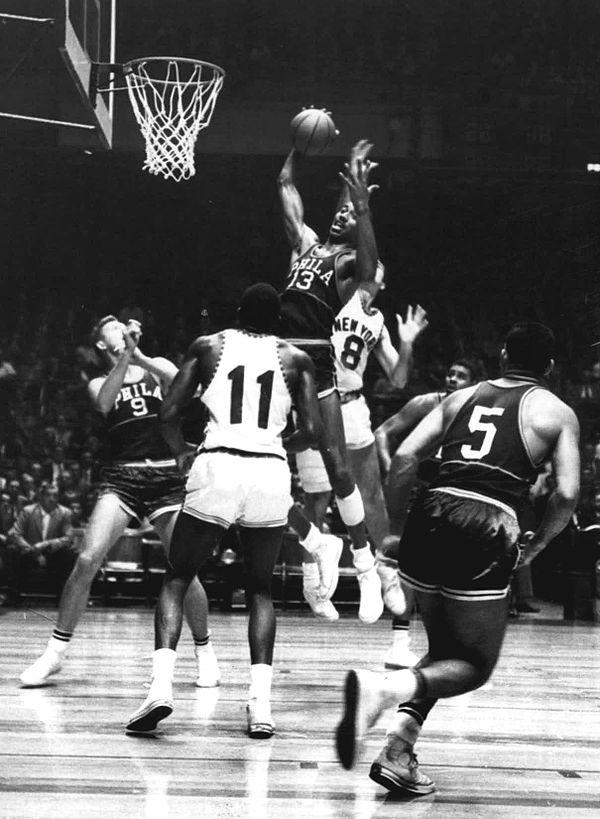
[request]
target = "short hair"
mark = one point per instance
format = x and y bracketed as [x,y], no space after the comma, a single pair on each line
[96,329]
[469,364]
[260,308]
[530,346]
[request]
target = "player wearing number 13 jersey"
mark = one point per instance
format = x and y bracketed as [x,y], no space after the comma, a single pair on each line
[460,542]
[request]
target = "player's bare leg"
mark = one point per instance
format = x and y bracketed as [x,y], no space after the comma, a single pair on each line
[195,608]
[465,639]
[350,506]
[261,549]
[192,544]
[106,525]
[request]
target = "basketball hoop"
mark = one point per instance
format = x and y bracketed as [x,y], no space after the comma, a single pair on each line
[173,99]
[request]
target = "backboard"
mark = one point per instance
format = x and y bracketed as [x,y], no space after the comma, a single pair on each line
[47,48]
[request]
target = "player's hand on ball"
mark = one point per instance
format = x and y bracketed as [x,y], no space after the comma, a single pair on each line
[414,324]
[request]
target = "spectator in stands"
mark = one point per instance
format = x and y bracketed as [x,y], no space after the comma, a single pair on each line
[40,538]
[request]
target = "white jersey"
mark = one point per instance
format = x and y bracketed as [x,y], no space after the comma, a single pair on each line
[355,334]
[248,399]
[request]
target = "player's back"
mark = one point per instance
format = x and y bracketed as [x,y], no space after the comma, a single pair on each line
[248,398]
[484,451]
[356,331]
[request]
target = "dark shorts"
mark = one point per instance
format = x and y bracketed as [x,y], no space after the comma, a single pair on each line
[144,491]
[460,547]
[321,356]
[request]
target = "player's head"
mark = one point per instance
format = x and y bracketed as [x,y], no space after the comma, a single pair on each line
[107,335]
[259,309]
[463,372]
[529,346]
[343,228]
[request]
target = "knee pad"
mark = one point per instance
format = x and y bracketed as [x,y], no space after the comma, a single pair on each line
[351,509]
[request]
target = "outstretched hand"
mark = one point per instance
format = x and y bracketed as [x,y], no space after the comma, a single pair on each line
[360,154]
[357,183]
[413,325]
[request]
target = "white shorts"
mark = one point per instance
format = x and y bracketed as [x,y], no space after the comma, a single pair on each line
[358,432]
[225,488]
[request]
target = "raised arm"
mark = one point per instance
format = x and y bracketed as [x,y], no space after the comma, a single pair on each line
[104,391]
[398,364]
[297,232]
[356,180]
[161,368]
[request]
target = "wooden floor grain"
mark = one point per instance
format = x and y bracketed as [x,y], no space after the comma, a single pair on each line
[525,745]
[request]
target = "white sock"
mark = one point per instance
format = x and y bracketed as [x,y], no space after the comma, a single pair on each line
[261,676]
[58,646]
[400,637]
[310,575]
[312,539]
[363,559]
[403,727]
[163,665]
[205,648]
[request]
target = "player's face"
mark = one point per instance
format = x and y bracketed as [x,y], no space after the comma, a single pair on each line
[111,335]
[458,377]
[343,227]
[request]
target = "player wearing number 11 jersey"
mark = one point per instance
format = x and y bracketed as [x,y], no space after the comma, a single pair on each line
[139,479]
[249,379]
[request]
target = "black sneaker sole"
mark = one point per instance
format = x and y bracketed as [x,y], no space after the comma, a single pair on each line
[346,730]
[388,779]
[149,720]
[261,731]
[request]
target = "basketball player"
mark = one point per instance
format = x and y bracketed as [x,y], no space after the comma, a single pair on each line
[461,542]
[140,479]
[323,276]
[462,373]
[249,379]
[358,331]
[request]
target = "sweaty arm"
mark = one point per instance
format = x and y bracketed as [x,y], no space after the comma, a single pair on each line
[161,368]
[103,391]
[181,392]
[398,364]
[563,499]
[308,430]
[299,235]
[388,434]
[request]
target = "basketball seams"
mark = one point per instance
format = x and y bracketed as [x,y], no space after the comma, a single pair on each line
[312,131]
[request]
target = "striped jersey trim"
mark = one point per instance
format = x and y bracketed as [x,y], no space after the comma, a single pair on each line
[467,493]
[465,595]
[489,466]
[309,342]
[146,462]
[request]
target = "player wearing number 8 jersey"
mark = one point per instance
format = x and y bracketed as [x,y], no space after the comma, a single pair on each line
[249,380]
[461,541]
[139,479]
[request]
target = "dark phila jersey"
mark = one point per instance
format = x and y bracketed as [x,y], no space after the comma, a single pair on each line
[310,301]
[132,425]
[484,451]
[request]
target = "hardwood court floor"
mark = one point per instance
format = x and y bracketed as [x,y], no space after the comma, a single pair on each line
[526,745]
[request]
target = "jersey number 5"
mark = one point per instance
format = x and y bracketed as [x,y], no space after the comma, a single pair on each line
[236,376]
[487,427]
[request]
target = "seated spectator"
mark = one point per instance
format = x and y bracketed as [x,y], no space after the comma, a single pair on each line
[18,500]
[55,465]
[68,493]
[41,538]
[28,488]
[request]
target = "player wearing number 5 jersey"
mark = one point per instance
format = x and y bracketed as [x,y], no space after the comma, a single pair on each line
[249,379]
[461,541]
[139,479]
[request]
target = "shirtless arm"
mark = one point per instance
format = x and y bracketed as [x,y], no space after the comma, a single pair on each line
[388,434]
[299,235]
[104,391]
[180,394]
[308,430]
[397,364]
[362,266]
[563,500]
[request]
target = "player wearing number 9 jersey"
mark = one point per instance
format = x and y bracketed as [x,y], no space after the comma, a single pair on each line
[139,479]
[249,379]
[461,541]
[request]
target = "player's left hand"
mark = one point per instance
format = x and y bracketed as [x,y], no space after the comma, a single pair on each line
[358,189]
[413,325]
[359,158]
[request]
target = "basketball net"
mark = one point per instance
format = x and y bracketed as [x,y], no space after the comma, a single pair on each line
[173,100]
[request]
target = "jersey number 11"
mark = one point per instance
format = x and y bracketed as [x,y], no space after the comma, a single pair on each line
[236,376]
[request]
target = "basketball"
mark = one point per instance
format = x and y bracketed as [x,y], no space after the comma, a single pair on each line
[312,131]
